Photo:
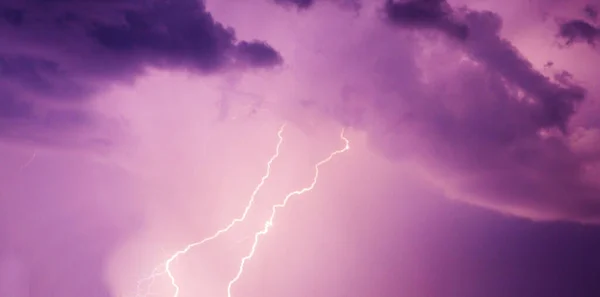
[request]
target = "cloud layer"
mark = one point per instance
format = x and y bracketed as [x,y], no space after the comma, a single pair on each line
[579,31]
[446,90]
[68,51]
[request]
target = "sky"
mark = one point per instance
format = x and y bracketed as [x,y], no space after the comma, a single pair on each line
[131,128]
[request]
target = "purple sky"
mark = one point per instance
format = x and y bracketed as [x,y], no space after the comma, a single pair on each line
[129,128]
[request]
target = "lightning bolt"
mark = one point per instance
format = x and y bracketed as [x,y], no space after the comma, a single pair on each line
[269,222]
[165,268]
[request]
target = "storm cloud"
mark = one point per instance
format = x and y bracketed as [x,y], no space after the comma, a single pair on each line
[426,14]
[503,131]
[452,95]
[574,31]
[67,52]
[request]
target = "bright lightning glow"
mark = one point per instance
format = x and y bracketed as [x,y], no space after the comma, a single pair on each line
[269,222]
[165,268]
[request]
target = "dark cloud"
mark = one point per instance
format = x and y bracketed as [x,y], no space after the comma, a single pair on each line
[591,12]
[554,103]
[579,31]
[40,76]
[302,4]
[476,114]
[178,34]
[480,33]
[22,121]
[354,5]
[425,14]
[141,33]
[257,54]
[68,51]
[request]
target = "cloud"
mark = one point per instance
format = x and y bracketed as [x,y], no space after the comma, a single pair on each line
[40,77]
[302,4]
[67,52]
[480,32]
[257,54]
[354,5]
[591,12]
[425,14]
[25,122]
[579,31]
[479,120]
[494,134]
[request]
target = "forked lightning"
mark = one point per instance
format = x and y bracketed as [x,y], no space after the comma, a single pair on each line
[165,268]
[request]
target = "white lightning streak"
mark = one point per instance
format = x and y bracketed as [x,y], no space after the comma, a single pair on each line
[269,222]
[167,264]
